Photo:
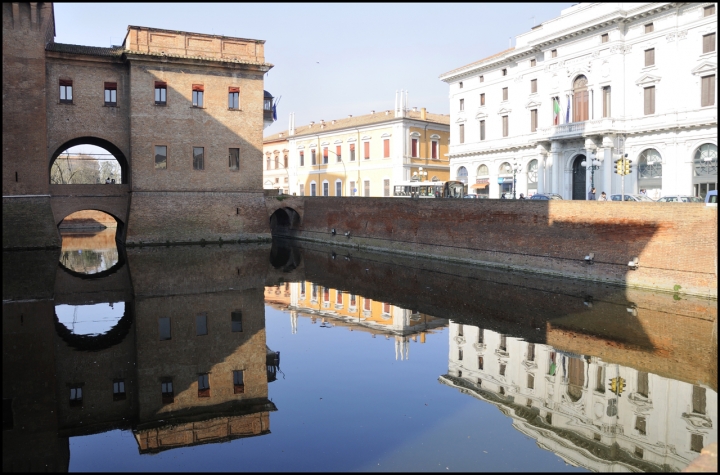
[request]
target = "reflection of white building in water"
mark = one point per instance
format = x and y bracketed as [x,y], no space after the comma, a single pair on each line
[334,307]
[567,404]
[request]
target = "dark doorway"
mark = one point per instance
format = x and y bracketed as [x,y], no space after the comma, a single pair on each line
[579,178]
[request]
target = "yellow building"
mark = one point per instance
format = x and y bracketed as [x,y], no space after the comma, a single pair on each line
[358,156]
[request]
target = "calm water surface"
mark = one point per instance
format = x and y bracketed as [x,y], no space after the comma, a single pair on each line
[260,358]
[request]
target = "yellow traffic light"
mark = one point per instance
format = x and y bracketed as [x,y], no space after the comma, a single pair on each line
[627,169]
[617,385]
[619,166]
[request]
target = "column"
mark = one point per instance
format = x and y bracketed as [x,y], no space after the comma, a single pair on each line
[607,166]
[542,153]
[553,166]
[494,188]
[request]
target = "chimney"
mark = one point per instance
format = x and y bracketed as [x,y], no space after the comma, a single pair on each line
[350,116]
[372,112]
[423,114]
[312,123]
[414,109]
[333,121]
[387,112]
[281,134]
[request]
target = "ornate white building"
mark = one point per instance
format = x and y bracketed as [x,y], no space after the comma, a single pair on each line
[602,78]
[567,404]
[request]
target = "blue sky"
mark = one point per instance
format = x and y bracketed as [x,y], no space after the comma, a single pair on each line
[331,60]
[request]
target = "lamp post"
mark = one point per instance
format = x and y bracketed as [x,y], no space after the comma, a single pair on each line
[593,164]
[422,175]
[515,168]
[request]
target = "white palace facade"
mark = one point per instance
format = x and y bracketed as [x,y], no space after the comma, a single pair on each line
[566,403]
[600,79]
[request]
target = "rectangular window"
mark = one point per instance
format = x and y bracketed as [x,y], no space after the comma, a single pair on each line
[482,78]
[234,159]
[166,389]
[119,390]
[366,146]
[326,295]
[8,422]
[198,158]
[338,188]
[198,91]
[531,352]
[66,92]
[502,369]
[367,187]
[600,379]
[204,385]
[325,155]
[606,101]
[553,53]
[696,442]
[434,149]
[604,38]
[462,104]
[164,328]
[76,395]
[386,148]
[460,355]
[238,381]
[482,99]
[338,153]
[302,158]
[352,152]
[650,57]
[460,84]
[352,188]
[236,321]
[201,325]
[234,98]
[160,93]
[414,147]
[313,189]
[481,336]
[285,163]
[709,43]
[462,133]
[160,157]
[326,189]
[533,62]
[533,120]
[641,425]
[649,100]
[530,381]
[302,189]
[338,297]
[481,363]
[709,10]
[642,383]
[649,28]
[313,157]
[503,343]
[482,130]
[698,400]
[111,94]
[504,72]
[505,94]
[505,128]
[533,86]
[461,330]
[386,187]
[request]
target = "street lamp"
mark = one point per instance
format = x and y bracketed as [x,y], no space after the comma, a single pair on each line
[593,164]
[515,168]
[422,175]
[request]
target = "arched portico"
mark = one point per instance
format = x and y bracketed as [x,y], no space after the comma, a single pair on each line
[98,142]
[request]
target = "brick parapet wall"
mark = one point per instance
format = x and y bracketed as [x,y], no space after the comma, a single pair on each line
[28,223]
[676,243]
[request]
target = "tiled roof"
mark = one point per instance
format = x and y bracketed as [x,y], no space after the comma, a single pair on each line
[478,62]
[359,121]
[116,51]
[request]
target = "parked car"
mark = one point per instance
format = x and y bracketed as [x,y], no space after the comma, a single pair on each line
[546,196]
[472,196]
[632,198]
[711,198]
[680,199]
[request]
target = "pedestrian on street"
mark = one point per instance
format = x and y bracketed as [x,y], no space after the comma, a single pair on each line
[107,182]
[603,197]
[522,197]
[591,195]
[503,197]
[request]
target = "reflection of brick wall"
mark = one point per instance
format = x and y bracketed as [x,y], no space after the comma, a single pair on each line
[674,244]
[87,218]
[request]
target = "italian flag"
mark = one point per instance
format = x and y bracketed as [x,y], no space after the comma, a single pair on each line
[556,112]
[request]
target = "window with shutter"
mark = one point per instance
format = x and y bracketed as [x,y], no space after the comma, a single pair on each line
[111,94]
[505,126]
[553,53]
[533,63]
[482,99]
[386,148]
[325,155]
[160,93]
[414,147]
[649,28]
[66,91]
[533,86]
[366,146]
[533,120]
[482,130]
[482,78]
[198,91]
[650,57]
[709,10]
[434,150]
[606,101]
[709,43]
[234,98]
[604,38]
[462,133]
[649,100]
[708,91]
[462,104]
[505,94]
[338,152]
[352,152]
[313,157]
[302,158]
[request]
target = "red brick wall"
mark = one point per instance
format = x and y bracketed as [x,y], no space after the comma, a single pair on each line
[676,243]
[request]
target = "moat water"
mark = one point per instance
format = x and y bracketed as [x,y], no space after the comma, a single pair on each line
[297,357]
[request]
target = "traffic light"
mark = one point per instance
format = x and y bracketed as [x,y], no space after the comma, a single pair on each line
[628,167]
[621,162]
[617,385]
[619,166]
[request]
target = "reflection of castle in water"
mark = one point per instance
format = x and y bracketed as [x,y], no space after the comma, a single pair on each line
[604,417]
[334,307]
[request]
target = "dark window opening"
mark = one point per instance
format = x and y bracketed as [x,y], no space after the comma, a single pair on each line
[204,385]
[234,159]
[160,157]
[76,395]
[164,328]
[198,158]
[166,388]
[481,363]
[502,369]
[238,382]
[641,425]
[201,328]
[111,94]
[236,319]
[118,390]
[8,420]
[698,400]
[160,93]
[696,442]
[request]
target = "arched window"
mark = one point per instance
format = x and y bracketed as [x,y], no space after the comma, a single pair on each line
[505,169]
[482,181]
[483,171]
[580,99]
[462,174]
[650,172]
[285,160]
[532,176]
[705,172]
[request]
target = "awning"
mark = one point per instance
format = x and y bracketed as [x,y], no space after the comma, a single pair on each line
[479,186]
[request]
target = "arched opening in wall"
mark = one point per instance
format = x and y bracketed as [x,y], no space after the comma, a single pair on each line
[283,220]
[580,99]
[89,161]
[532,177]
[93,327]
[579,177]
[705,170]
[89,243]
[283,256]
[482,181]
[505,180]
[649,174]
[576,378]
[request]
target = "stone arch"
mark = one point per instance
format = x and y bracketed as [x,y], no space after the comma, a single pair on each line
[68,210]
[579,178]
[284,257]
[283,221]
[99,142]
[96,342]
